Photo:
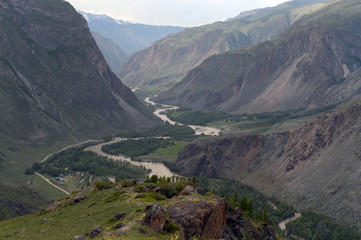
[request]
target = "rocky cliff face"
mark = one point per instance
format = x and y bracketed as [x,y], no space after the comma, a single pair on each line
[55,82]
[316,56]
[168,60]
[312,166]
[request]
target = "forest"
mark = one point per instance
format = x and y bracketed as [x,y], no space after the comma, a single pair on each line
[77,160]
[192,117]
[175,132]
[312,226]
[136,148]
[255,204]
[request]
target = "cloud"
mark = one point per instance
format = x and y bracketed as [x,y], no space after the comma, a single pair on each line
[171,12]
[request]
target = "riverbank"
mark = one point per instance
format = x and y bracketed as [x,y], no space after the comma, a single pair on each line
[156,168]
[199,130]
[282,225]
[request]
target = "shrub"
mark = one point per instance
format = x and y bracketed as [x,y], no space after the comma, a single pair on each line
[36,166]
[157,196]
[171,190]
[29,171]
[103,185]
[128,183]
[171,227]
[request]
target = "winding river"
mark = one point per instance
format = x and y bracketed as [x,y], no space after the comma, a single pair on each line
[156,168]
[198,129]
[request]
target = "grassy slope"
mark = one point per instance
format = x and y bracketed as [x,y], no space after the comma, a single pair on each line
[12,170]
[96,210]
[64,219]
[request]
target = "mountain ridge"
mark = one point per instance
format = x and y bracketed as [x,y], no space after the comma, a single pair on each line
[168,60]
[314,56]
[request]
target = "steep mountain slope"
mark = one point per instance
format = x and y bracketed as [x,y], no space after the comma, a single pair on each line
[55,87]
[113,53]
[54,79]
[131,37]
[316,56]
[168,60]
[18,201]
[315,166]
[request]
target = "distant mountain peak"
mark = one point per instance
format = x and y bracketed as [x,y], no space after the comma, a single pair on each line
[130,36]
[104,17]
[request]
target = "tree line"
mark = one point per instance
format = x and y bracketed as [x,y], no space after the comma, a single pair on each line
[136,148]
[76,160]
[312,226]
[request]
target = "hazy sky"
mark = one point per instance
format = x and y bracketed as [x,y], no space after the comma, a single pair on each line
[171,12]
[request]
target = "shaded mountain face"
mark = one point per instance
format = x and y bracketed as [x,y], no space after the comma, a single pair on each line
[18,201]
[317,56]
[113,53]
[167,61]
[314,166]
[54,81]
[131,37]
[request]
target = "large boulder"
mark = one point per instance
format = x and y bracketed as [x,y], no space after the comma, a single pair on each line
[201,218]
[155,217]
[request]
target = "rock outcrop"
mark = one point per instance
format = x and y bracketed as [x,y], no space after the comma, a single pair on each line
[206,220]
[95,232]
[238,228]
[200,218]
[155,217]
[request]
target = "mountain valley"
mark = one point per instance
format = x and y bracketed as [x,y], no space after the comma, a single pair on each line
[118,39]
[247,128]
